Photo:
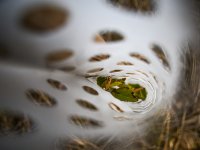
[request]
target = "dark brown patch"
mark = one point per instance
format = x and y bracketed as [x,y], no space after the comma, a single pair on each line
[86,104]
[56,84]
[125,63]
[108,36]
[90,76]
[115,107]
[90,90]
[58,56]
[158,51]
[135,5]
[44,18]
[40,98]
[14,123]
[140,57]
[95,70]
[99,57]
[117,70]
[85,122]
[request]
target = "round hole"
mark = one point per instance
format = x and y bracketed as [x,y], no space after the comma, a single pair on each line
[140,57]
[90,90]
[115,107]
[58,56]
[159,52]
[56,84]
[85,122]
[122,91]
[124,63]
[144,6]
[95,70]
[108,36]
[90,76]
[117,70]
[15,123]
[44,18]
[86,104]
[100,57]
[40,98]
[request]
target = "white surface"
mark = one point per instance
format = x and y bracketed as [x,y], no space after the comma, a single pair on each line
[87,18]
